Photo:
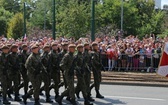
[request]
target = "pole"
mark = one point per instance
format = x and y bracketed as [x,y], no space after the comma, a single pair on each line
[53,20]
[24,17]
[93,21]
[44,17]
[122,16]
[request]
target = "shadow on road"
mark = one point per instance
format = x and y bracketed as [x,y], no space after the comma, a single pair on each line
[109,101]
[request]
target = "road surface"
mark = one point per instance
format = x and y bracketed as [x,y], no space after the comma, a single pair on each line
[118,95]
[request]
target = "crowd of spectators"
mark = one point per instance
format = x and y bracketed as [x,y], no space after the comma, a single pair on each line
[126,54]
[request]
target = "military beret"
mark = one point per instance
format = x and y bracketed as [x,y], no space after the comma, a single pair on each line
[79,46]
[24,45]
[64,44]
[14,46]
[86,44]
[53,44]
[46,46]
[4,47]
[34,46]
[94,44]
[72,46]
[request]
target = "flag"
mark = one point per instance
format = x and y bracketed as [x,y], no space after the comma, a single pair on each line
[163,66]
[25,37]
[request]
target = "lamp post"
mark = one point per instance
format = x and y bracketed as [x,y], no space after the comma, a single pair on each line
[24,17]
[93,20]
[122,15]
[53,27]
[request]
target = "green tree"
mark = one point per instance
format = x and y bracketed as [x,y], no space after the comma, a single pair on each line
[4,19]
[73,19]
[15,26]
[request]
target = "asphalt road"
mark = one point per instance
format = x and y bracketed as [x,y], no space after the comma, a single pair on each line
[118,95]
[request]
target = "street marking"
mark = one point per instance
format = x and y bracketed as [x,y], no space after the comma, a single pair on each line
[137,98]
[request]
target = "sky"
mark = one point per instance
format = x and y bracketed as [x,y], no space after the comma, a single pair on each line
[164,2]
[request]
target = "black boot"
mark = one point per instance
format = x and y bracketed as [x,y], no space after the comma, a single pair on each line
[98,95]
[5,101]
[41,89]
[25,98]
[73,102]
[17,98]
[9,93]
[77,94]
[37,102]
[56,95]
[68,98]
[59,100]
[21,85]
[87,102]
[48,100]
[90,98]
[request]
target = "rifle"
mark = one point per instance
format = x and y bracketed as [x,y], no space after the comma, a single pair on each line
[71,70]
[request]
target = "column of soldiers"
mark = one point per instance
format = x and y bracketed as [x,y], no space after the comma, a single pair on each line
[36,68]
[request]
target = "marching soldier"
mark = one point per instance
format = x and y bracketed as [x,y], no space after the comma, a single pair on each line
[3,73]
[61,55]
[34,68]
[87,68]
[23,57]
[46,74]
[14,71]
[67,64]
[80,71]
[54,64]
[96,68]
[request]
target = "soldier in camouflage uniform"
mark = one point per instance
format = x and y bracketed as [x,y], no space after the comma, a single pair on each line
[61,55]
[46,75]
[3,73]
[80,72]
[34,68]
[23,57]
[96,68]
[67,64]
[54,64]
[14,71]
[87,68]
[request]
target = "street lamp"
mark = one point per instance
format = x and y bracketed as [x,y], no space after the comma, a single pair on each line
[122,15]
[24,17]
[93,20]
[54,21]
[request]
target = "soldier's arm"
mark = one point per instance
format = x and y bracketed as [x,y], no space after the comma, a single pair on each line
[28,65]
[95,60]
[63,63]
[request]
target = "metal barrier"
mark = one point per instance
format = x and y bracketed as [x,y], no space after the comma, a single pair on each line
[141,63]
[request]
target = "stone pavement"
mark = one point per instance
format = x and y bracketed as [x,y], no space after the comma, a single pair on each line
[134,78]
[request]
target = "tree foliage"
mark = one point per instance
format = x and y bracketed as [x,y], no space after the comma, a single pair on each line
[4,19]
[15,26]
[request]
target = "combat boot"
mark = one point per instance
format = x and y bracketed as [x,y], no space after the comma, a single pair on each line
[73,102]
[98,95]
[77,94]
[56,95]
[87,102]
[59,100]
[25,98]
[48,99]
[90,98]
[17,98]
[37,102]
[5,101]
[9,93]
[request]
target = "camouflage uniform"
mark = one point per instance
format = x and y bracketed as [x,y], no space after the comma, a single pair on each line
[66,64]
[4,75]
[61,55]
[14,72]
[23,57]
[34,68]
[80,71]
[96,68]
[55,72]
[46,74]
[87,75]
